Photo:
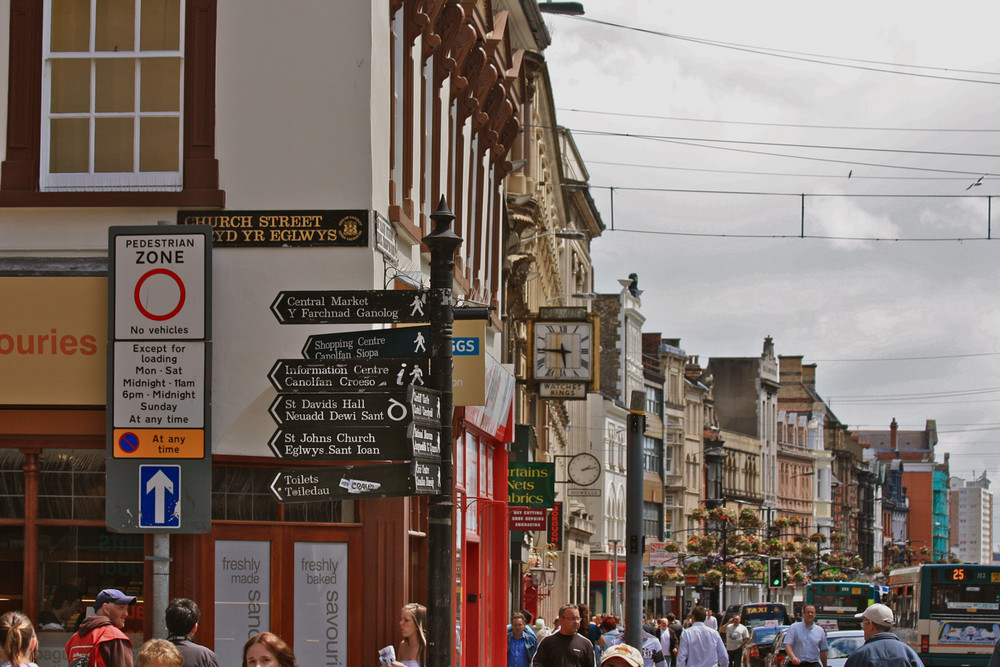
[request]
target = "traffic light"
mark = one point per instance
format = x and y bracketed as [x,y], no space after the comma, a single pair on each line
[775,572]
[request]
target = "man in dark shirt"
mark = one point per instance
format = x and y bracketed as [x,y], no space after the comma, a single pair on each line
[182,618]
[565,648]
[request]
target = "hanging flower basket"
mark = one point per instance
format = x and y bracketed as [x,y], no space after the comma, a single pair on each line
[749,519]
[722,515]
[773,546]
[925,551]
[808,550]
[753,569]
[668,576]
[711,577]
[672,547]
[781,522]
[699,514]
[789,546]
[799,577]
[817,538]
[836,539]
[794,522]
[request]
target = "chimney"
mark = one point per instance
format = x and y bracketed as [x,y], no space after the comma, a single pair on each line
[893,427]
[809,376]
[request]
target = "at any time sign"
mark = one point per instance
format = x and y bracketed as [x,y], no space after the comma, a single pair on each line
[159,286]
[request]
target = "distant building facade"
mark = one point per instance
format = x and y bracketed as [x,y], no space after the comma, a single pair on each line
[970,510]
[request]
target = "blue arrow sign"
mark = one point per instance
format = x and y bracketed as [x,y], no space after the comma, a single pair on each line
[159,496]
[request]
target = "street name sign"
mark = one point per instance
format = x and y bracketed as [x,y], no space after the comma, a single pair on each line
[376,344]
[350,482]
[318,376]
[359,409]
[159,372]
[356,443]
[351,307]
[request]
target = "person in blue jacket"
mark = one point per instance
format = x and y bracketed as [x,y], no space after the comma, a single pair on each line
[881,647]
[521,644]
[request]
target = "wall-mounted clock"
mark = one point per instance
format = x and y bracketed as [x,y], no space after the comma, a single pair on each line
[563,350]
[584,469]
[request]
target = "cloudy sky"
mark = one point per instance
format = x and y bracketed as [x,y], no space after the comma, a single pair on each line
[718,134]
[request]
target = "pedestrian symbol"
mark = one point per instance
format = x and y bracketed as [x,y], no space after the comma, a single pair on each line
[159,496]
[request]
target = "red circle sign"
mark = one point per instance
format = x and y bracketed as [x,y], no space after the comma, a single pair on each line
[180,300]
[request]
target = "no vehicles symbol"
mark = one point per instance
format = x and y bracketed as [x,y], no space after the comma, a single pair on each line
[159,294]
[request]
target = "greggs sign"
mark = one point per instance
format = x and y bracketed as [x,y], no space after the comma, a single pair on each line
[53,340]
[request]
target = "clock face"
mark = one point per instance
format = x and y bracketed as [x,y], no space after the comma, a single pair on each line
[563,350]
[584,469]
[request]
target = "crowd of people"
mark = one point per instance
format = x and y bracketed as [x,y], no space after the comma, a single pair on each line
[577,640]
[98,639]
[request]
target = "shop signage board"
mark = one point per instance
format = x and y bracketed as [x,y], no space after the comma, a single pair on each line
[554,526]
[159,371]
[358,409]
[352,482]
[399,442]
[526,518]
[531,484]
[351,307]
[408,342]
[321,376]
[282,228]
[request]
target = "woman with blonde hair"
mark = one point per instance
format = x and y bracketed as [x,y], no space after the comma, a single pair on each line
[412,650]
[18,642]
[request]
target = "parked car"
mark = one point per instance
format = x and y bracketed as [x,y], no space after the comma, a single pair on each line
[777,655]
[759,647]
[841,644]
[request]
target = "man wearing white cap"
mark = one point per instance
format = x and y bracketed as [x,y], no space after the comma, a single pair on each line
[621,655]
[881,647]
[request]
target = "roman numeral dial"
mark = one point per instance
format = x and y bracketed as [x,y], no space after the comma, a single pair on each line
[562,350]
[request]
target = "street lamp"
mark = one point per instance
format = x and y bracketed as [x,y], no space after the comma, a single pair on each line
[564,8]
[568,234]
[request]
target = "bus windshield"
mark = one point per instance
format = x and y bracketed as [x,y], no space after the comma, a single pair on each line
[846,603]
[950,599]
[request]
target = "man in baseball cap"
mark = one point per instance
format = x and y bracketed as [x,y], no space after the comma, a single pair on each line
[621,655]
[100,641]
[881,646]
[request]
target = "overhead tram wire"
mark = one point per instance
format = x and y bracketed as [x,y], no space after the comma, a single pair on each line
[848,63]
[857,128]
[693,142]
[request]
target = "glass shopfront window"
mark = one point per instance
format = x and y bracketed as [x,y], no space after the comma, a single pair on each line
[69,548]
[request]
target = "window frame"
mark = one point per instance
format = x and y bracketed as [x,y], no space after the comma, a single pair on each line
[20,171]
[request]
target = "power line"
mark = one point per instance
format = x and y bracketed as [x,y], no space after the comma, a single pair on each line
[807,57]
[936,130]
[876,195]
[925,395]
[820,237]
[934,357]
[852,163]
[780,144]
[856,177]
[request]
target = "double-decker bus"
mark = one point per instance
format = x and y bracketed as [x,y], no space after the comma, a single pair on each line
[949,614]
[837,602]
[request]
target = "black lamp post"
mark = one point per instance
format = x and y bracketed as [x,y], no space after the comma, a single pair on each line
[442,242]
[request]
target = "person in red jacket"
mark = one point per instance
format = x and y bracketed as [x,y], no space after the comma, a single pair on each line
[100,641]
